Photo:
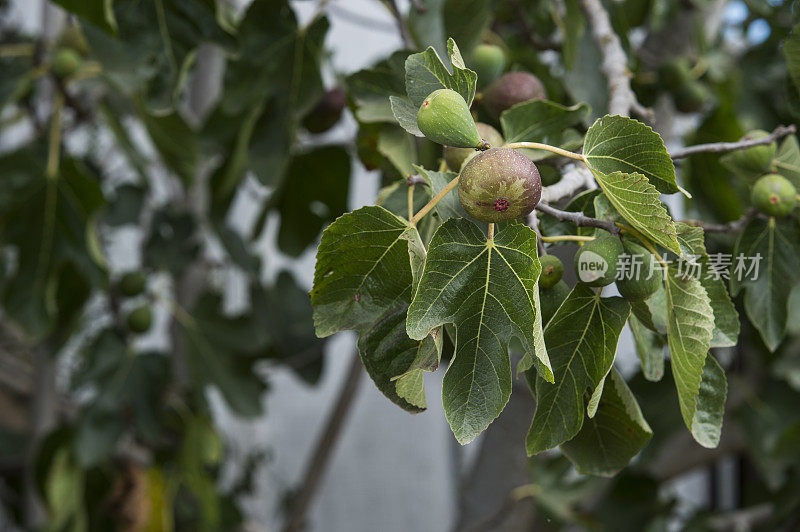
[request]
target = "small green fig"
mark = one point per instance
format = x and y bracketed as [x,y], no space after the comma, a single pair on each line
[675,73]
[455,157]
[551,298]
[596,261]
[444,118]
[510,89]
[641,278]
[327,111]
[66,62]
[757,158]
[499,184]
[140,319]
[73,37]
[488,61]
[552,271]
[132,284]
[774,195]
[692,97]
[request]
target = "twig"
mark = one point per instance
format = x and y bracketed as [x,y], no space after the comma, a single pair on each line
[572,180]
[578,218]
[621,98]
[323,449]
[416,179]
[731,227]
[721,147]
[401,23]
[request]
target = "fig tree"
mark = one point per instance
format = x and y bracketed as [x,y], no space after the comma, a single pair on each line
[757,158]
[499,184]
[510,89]
[488,61]
[641,279]
[552,271]
[140,319]
[444,118]
[65,63]
[551,298]
[132,284]
[596,261]
[455,157]
[774,195]
[327,111]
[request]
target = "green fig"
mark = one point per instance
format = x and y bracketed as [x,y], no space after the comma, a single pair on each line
[140,319]
[552,271]
[692,97]
[675,73]
[551,298]
[641,279]
[66,62]
[455,157]
[72,37]
[774,195]
[132,284]
[596,261]
[756,159]
[444,118]
[327,111]
[510,89]
[488,61]
[499,184]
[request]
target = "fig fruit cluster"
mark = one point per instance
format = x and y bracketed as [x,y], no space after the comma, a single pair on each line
[597,263]
[131,285]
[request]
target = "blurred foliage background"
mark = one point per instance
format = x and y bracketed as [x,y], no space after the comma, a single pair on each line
[131,132]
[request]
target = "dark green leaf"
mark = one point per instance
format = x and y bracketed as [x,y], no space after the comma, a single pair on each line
[608,441]
[582,340]
[98,12]
[650,348]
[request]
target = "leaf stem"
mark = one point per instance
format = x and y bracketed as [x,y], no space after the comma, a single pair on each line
[567,238]
[410,202]
[436,199]
[545,147]
[491,231]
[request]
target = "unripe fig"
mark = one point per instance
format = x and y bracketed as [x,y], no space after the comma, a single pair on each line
[140,319]
[327,112]
[444,118]
[774,195]
[552,271]
[72,37]
[675,73]
[755,159]
[488,61]
[132,284]
[510,89]
[66,62]
[499,184]
[641,278]
[692,97]
[455,157]
[596,261]
[551,298]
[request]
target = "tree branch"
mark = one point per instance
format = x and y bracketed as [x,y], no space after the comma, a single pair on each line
[621,98]
[731,227]
[401,24]
[578,218]
[574,178]
[323,449]
[721,147]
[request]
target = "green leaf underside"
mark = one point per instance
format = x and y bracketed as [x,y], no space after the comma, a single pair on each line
[650,349]
[449,206]
[620,144]
[638,202]
[726,319]
[766,298]
[707,422]
[581,340]
[787,160]
[487,290]
[607,442]
[690,326]
[540,121]
[406,114]
[363,282]
[425,73]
